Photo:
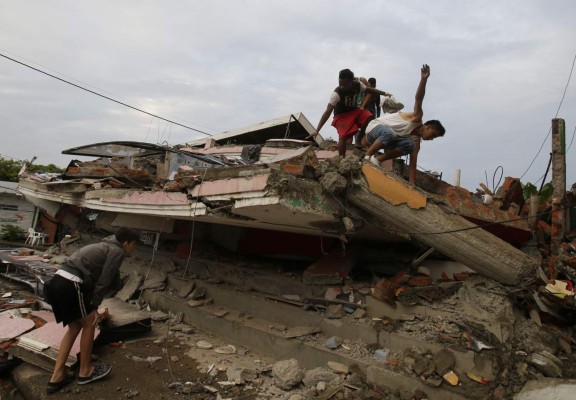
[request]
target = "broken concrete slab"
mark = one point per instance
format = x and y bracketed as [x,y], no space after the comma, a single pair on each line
[444,361]
[299,331]
[12,327]
[548,388]
[125,321]
[186,289]
[330,269]
[130,287]
[335,312]
[155,282]
[448,232]
[301,162]
[40,346]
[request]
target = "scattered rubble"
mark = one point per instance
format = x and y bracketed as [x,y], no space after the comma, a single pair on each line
[343,324]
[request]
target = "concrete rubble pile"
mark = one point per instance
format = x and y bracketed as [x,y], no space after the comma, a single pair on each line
[408,291]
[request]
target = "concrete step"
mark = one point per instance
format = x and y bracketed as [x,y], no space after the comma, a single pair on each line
[260,306]
[247,319]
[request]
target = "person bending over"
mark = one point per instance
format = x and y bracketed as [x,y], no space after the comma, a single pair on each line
[75,292]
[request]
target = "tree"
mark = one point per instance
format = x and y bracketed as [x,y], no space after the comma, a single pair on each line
[530,189]
[12,233]
[9,169]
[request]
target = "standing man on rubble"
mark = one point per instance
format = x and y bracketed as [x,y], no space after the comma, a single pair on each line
[400,133]
[75,292]
[348,117]
[372,101]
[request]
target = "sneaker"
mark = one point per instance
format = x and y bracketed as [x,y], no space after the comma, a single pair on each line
[372,159]
[99,372]
[54,387]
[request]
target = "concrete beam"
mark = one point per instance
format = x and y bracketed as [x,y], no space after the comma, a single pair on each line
[446,231]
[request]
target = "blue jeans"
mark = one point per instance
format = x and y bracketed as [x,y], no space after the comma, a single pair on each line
[386,136]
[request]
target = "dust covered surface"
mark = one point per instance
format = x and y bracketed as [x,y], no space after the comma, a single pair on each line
[162,366]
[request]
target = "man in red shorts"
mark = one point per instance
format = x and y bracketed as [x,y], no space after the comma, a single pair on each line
[348,118]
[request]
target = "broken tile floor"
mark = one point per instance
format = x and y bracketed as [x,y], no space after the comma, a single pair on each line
[456,339]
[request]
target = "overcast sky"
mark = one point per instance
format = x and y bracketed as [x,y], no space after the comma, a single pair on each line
[498,72]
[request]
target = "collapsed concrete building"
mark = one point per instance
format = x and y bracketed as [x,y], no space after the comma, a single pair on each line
[268,190]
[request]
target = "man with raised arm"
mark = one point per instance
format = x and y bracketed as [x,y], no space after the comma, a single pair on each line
[401,133]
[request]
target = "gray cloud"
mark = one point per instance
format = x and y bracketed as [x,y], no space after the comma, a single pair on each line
[498,71]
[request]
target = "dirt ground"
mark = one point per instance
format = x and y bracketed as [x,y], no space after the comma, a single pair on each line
[163,365]
[175,372]
[172,362]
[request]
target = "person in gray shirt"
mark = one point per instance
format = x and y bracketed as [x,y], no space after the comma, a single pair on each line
[75,292]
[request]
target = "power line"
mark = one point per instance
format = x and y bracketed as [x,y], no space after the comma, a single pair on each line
[555,116]
[103,96]
[571,140]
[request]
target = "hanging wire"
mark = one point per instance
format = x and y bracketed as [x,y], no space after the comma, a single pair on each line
[193,227]
[571,140]
[149,126]
[169,132]
[101,95]
[555,116]
[495,187]
[154,251]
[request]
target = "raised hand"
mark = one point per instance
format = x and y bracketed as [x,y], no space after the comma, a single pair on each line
[425,71]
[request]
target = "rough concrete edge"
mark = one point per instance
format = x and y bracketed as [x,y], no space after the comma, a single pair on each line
[26,377]
[375,375]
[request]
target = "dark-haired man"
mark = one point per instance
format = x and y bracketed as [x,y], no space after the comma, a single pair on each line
[348,117]
[400,133]
[76,291]
[372,101]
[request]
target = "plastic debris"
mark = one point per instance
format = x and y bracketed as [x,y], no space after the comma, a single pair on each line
[477,378]
[451,378]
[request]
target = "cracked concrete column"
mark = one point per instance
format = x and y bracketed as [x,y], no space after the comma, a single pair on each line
[558,182]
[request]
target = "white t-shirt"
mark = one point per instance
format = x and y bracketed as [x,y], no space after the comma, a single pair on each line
[335,97]
[394,121]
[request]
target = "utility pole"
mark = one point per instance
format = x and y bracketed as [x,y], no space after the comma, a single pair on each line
[559,184]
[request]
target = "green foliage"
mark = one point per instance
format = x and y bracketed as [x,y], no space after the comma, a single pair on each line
[12,233]
[546,193]
[530,189]
[45,168]
[9,169]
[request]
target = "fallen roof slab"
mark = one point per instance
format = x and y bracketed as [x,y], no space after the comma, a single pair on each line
[446,231]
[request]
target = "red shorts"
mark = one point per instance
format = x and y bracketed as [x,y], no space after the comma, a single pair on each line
[348,123]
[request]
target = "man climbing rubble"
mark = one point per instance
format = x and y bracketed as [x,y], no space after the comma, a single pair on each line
[400,133]
[348,117]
